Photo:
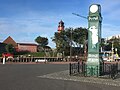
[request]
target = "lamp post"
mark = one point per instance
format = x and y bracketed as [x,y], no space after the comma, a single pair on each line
[70,45]
[112,52]
[116,50]
[85,47]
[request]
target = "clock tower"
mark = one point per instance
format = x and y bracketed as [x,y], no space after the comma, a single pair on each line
[94,39]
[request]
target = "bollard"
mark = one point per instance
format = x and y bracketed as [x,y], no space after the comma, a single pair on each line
[70,67]
[3,60]
[78,67]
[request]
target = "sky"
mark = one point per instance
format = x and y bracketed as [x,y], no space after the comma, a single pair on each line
[24,20]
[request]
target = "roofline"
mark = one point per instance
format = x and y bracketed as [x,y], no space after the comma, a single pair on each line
[27,44]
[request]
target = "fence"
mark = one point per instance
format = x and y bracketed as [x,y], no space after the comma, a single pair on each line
[109,70]
[77,68]
[32,59]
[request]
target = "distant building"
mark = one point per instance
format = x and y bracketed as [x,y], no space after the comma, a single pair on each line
[9,40]
[27,47]
[61,26]
[112,37]
[21,46]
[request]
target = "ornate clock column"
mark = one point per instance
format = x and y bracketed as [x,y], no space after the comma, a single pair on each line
[94,39]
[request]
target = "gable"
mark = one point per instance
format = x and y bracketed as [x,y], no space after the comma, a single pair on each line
[9,40]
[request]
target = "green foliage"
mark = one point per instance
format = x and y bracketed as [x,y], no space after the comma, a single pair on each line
[37,54]
[22,53]
[26,53]
[42,45]
[70,38]
[2,48]
[116,44]
[10,48]
[42,41]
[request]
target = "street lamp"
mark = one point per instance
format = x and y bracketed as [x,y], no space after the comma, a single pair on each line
[112,52]
[70,45]
[85,48]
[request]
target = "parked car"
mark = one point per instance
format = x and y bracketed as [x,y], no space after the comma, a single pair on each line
[41,60]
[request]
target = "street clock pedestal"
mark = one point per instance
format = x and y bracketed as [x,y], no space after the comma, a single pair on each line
[94,39]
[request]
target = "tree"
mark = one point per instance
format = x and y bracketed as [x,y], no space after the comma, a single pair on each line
[42,45]
[42,41]
[62,42]
[79,36]
[10,48]
[64,39]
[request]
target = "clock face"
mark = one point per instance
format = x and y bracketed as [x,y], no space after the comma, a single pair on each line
[93,8]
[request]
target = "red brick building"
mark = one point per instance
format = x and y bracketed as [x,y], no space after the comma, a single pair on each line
[27,47]
[21,46]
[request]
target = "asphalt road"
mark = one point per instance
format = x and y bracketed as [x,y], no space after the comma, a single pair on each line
[24,77]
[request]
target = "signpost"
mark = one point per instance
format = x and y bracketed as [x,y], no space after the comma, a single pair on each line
[94,39]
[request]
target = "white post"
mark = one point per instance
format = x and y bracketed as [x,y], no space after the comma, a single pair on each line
[4,60]
[112,52]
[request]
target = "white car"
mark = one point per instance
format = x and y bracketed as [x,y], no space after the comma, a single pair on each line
[40,60]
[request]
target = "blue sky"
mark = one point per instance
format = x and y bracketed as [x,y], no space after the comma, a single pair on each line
[24,20]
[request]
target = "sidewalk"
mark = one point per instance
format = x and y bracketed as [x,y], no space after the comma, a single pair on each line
[64,75]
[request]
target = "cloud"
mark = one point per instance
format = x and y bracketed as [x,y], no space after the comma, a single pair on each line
[26,29]
[24,23]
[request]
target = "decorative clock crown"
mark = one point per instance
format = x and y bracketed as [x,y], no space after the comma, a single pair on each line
[95,8]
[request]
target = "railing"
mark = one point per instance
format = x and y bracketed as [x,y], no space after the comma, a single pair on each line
[32,59]
[74,68]
[109,70]
[77,68]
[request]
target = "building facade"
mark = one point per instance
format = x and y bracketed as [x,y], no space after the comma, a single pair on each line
[27,47]
[30,47]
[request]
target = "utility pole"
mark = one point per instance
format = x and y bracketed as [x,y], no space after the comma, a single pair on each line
[112,52]
[70,45]
[85,43]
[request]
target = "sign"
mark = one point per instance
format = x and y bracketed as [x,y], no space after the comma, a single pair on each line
[93,18]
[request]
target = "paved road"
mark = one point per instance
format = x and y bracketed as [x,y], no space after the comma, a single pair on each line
[25,77]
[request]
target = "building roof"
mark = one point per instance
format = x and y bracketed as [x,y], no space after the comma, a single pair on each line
[61,22]
[9,40]
[32,44]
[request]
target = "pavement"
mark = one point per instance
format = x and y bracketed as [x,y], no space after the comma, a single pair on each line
[49,77]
